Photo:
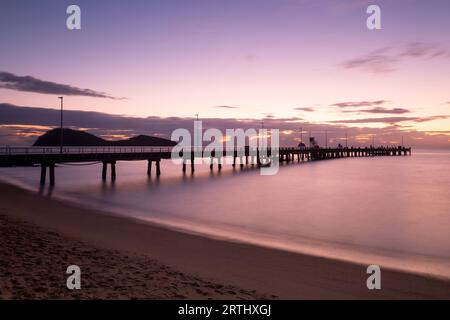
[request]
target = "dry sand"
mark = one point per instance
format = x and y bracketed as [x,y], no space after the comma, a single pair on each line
[34,261]
[125,258]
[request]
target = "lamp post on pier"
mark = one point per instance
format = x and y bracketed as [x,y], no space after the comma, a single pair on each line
[61,126]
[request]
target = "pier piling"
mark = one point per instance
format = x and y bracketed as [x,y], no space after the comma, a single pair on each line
[43,173]
[113,171]
[158,168]
[104,170]
[149,168]
[52,174]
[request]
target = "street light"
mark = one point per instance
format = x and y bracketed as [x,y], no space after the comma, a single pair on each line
[61,127]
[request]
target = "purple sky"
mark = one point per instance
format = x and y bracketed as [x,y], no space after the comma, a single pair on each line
[311,62]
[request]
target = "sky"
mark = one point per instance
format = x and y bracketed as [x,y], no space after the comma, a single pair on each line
[292,63]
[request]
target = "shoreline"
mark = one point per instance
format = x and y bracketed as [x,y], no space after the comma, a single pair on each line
[271,272]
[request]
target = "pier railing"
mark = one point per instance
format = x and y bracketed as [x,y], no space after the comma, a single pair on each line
[80,150]
[155,149]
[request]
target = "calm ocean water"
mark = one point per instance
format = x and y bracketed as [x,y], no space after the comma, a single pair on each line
[392,211]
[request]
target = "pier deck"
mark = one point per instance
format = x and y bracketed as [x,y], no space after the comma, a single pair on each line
[48,157]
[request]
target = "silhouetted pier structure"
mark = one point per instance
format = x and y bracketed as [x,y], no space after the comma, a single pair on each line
[48,157]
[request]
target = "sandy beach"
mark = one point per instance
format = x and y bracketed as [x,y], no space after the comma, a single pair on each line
[123,258]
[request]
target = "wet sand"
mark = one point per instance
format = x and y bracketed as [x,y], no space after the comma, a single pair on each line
[124,258]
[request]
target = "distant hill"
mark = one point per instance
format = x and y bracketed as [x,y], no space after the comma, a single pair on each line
[75,138]
[143,140]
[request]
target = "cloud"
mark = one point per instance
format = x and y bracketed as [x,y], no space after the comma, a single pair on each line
[431,118]
[420,49]
[390,120]
[13,115]
[393,120]
[22,125]
[387,59]
[355,104]
[250,57]
[306,109]
[374,104]
[380,110]
[30,84]
[226,107]
[378,61]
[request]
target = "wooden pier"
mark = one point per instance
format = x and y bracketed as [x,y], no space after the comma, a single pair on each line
[48,157]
